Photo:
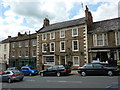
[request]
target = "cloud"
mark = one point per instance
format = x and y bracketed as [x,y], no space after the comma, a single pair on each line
[29,14]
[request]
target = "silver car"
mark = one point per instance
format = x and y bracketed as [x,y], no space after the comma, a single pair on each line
[12,75]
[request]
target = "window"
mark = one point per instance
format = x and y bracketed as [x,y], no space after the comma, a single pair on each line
[62,46]
[100,39]
[26,44]
[34,42]
[26,53]
[20,53]
[48,59]
[52,35]
[52,47]
[75,45]
[13,45]
[13,53]
[117,35]
[44,36]
[44,47]
[74,32]
[76,61]
[5,46]
[20,44]
[4,56]
[62,34]
[34,53]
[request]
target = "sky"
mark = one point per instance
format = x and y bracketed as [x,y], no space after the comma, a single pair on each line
[28,15]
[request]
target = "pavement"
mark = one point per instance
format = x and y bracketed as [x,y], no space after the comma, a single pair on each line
[74,72]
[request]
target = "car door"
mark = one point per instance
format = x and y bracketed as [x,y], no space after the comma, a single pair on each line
[98,69]
[5,75]
[49,71]
[25,70]
[89,69]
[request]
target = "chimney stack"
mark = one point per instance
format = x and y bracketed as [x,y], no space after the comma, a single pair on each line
[19,34]
[46,22]
[89,17]
[9,36]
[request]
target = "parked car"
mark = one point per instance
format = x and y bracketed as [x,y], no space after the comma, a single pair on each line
[12,75]
[56,70]
[29,70]
[97,69]
[13,68]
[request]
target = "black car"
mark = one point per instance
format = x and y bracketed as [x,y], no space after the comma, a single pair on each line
[56,70]
[97,69]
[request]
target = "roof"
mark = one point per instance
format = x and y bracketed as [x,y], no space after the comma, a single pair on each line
[65,24]
[22,37]
[105,26]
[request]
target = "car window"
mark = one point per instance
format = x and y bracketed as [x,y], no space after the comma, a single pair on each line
[50,68]
[25,69]
[88,66]
[97,65]
[62,67]
[6,72]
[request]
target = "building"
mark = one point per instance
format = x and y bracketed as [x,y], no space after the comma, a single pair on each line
[4,53]
[104,40]
[63,42]
[23,50]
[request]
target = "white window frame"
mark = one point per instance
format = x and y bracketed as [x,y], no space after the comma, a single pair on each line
[26,43]
[74,61]
[104,39]
[13,45]
[20,53]
[27,53]
[35,53]
[46,56]
[61,46]
[51,47]
[61,34]
[43,47]
[34,42]
[20,44]
[117,40]
[73,32]
[73,45]
[52,33]
[45,36]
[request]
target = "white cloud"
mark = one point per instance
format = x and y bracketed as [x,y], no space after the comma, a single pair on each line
[34,11]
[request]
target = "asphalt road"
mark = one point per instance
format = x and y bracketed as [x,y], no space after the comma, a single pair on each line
[71,81]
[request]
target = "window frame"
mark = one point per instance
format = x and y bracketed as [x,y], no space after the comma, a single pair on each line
[34,53]
[43,47]
[73,49]
[52,33]
[77,59]
[61,46]
[44,38]
[51,46]
[73,32]
[117,40]
[61,34]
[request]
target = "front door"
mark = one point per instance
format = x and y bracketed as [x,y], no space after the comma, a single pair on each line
[62,60]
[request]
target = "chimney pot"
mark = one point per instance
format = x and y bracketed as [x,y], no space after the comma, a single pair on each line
[46,22]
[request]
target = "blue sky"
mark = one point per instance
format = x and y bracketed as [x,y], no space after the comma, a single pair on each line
[24,15]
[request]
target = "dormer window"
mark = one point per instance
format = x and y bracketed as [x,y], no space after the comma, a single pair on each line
[74,32]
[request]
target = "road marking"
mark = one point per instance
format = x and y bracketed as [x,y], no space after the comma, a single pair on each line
[65,81]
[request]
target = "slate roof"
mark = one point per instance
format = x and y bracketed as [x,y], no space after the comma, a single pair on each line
[105,26]
[20,38]
[65,24]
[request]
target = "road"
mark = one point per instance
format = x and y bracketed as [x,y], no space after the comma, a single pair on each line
[71,81]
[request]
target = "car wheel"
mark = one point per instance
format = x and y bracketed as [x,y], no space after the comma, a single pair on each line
[41,74]
[83,73]
[58,74]
[9,80]
[21,79]
[110,73]
[30,74]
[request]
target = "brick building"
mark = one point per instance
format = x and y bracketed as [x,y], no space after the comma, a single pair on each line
[63,42]
[23,50]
